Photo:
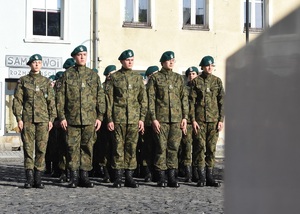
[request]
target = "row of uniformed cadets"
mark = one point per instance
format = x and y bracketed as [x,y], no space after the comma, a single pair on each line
[153,156]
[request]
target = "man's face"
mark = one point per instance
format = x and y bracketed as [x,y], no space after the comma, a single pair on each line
[36,66]
[127,63]
[192,75]
[80,58]
[208,69]
[169,64]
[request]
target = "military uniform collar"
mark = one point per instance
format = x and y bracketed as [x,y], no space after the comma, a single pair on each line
[165,71]
[205,75]
[123,70]
[80,68]
[34,74]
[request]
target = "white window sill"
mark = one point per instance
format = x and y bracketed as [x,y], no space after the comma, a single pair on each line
[45,40]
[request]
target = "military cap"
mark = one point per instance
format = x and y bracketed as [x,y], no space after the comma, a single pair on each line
[207,60]
[109,69]
[191,69]
[167,56]
[150,70]
[80,48]
[59,74]
[52,78]
[33,58]
[68,63]
[95,70]
[126,54]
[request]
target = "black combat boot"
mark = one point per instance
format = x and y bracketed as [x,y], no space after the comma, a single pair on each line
[68,174]
[210,181]
[29,178]
[48,170]
[63,177]
[106,177]
[188,174]
[73,179]
[38,179]
[195,175]
[118,178]
[129,181]
[84,179]
[148,174]
[201,181]
[172,181]
[161,179]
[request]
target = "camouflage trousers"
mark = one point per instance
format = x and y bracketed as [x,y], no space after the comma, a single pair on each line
[35,139]
[124,142]
[167,145]
[80,142]
[185,151]
[204,145]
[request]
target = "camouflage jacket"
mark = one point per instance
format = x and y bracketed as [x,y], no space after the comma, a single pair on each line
[80,97]
[168,101]
[34,99]
[207,99]
[126,97]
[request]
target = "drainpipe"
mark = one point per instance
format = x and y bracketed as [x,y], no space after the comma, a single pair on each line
[247,21]
[95,34]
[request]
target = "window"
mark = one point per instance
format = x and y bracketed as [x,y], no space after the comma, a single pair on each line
[11,125]
[256,15]
[46,21]
[195,14]
[137,13]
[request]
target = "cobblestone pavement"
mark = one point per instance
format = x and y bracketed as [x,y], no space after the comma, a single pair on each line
[57,198]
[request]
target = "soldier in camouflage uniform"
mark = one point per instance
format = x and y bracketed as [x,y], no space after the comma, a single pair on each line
[207,115]
[34,109]
[61,134]
[80,108]
[168,106]
[185,152]
[147,140]
[126,110]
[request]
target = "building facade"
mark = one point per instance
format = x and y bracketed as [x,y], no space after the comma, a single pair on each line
[51,28]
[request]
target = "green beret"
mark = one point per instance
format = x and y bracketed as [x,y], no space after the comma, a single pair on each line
[207,60]
[109,69]
[68,63]
[52,78]
[59,74]
[80,48]
[33,58]
[95,70]
[126,54]
[191,69]
[150,70]
[167,56]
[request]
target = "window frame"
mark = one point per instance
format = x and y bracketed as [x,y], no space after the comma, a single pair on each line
[193,25]
[135,23]
[64,16]
[252,15]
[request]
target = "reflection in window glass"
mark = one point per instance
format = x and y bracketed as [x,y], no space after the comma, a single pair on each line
[129,11]
[11,125]
[200,12]
[186,12]
[143,10]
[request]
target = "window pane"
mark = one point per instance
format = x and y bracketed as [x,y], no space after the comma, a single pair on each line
[143,10]
[53,4]
[186,12]
[39,23]
[200,12]
[53,23]
[129,11]
[39,4]
[11,125]
[259,15]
